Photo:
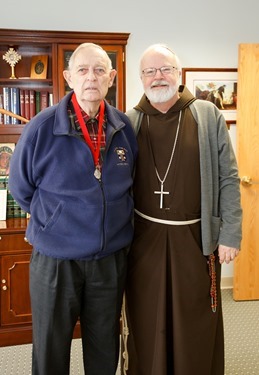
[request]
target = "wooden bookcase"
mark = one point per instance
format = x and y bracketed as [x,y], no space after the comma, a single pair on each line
[15,313]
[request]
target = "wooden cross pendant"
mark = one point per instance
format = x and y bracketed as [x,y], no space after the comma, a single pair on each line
[161,192]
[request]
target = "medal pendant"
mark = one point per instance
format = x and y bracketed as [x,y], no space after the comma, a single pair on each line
[97,173]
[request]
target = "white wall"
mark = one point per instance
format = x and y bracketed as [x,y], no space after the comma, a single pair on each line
[203,33]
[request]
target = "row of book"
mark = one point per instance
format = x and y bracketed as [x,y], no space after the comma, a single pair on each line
[13,210]
[23,102]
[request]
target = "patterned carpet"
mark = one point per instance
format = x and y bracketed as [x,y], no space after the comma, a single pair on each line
[241,321]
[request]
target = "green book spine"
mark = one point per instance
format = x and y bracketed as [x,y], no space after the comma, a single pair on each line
[16,209]
[37,101]
[10,205]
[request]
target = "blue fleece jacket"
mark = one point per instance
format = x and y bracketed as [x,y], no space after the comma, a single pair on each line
[74,215]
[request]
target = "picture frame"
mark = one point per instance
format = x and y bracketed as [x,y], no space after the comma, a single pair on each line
[39,66]
[6,152]
[219,85]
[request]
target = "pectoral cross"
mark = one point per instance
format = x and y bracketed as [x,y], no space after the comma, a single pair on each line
[162,193]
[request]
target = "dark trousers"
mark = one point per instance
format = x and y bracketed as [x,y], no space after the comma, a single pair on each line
[63,291]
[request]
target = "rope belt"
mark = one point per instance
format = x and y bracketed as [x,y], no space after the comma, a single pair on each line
[167,222]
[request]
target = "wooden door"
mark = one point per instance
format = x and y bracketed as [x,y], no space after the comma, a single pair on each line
[246,265]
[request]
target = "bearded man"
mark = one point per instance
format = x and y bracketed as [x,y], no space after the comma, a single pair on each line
[187,223]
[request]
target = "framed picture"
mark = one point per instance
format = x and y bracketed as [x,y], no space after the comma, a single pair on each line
[39,66]
[6,152]
[216,85]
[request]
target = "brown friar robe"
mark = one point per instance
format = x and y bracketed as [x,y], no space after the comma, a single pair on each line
[172,328]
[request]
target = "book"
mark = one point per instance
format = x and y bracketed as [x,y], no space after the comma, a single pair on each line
[50,99]
[16,209]
[22,103]
[3,203]
[32,103]
[27,104]
[37,101]
[15,104]
[44,100]
[6,152]
[10,206]
[1,107]
[23,213]
[4,182]
[7,104]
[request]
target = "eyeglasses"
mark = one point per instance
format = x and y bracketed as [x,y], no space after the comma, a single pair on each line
[165,70]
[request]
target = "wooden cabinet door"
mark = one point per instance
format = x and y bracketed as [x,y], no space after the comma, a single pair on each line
[15,298]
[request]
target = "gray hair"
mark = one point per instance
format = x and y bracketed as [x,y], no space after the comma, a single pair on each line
[85,46]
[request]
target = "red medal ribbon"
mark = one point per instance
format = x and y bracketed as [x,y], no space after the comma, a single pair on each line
[95,151]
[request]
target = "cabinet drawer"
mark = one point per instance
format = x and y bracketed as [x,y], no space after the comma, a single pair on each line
[12,242]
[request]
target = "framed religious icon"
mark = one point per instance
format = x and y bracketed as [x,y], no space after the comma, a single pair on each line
[6,152]
[39,66]
[216,85]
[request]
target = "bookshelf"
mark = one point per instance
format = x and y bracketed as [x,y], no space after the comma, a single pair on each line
[55,47]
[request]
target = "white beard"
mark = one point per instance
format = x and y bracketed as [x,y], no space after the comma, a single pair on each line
[162,95]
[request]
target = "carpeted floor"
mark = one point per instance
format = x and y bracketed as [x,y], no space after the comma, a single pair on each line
[241,321]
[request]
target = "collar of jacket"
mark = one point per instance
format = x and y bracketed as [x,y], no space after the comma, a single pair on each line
[62,122]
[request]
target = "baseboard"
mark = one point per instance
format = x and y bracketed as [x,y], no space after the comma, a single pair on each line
[226,282]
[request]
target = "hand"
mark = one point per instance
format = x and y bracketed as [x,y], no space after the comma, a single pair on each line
[226,254]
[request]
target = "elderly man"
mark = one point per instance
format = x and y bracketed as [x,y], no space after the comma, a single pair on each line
[72,171]
[187,222]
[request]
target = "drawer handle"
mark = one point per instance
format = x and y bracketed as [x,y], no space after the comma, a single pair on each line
[4,287]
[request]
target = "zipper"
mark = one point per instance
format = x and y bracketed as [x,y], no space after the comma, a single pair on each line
[103,242]
[103,245]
